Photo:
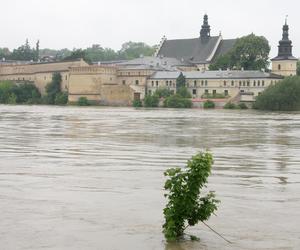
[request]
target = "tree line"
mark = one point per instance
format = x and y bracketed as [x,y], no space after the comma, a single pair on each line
[94,53]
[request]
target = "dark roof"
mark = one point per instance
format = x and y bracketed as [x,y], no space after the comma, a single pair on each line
[279,58]
[188,50]
[224,47]
[194,50]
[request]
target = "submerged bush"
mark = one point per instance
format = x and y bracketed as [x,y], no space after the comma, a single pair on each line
[186,206]
[137,103]
[176,101]
[230,105]
[61,98]
[83,101]
[209,104]
[151,101]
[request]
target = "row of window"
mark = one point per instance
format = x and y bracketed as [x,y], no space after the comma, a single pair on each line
[248,83]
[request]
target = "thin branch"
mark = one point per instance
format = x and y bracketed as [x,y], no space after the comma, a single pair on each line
[216,232]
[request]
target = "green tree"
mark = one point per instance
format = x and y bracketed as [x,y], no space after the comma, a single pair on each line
[180,81]
[249,52]
[6,89]
[163,92]
[151,101]
[61,98]
[186,207]
[26,92]
[53,88]
[298,68]
[24,53]
[131,50]
[283,96]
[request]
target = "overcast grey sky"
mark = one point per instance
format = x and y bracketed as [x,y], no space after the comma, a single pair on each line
[81,23]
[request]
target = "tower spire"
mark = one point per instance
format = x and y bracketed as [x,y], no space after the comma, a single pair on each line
[205,28]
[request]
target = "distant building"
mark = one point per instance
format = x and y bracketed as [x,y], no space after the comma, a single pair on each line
[200,51]
[285,63]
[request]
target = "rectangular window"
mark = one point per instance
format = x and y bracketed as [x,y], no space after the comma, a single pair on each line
[226,92]
[214,92]
[194,91]
[206,91]
[136,82]
[123,82]
[156,83]
[232,83]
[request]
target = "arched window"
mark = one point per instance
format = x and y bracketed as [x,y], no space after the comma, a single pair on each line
[279,67]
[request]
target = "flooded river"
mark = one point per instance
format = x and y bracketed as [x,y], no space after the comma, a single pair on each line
[91,178]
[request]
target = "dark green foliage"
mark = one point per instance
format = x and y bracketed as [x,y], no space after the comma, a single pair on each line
[11,93]
[27,93]
[53,88]
[223,62]
[209,104]
[24,53]
[283,96]
[151,101]
[249,52]
[298,68]
[176,101]
[242,106]
[230,105]
[6,89]
[180,81]
[186,206]
[61,98]
[83,101]
[163,92]
[137,103]
[183,92]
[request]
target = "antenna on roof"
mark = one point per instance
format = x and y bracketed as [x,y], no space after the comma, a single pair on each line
[286,17]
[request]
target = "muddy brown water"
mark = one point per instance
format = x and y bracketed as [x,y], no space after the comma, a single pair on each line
[91,178]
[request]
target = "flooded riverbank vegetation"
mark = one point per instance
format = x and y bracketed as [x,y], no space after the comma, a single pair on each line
[283,96]
[186,207]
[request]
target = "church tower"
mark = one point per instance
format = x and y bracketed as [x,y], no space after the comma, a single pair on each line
[285,63]
[205,29]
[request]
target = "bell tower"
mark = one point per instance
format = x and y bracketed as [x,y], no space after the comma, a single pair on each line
[285,63]
[205,29]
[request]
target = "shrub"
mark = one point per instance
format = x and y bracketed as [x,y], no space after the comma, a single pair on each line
[183,92]
[137,103]
[242,106]
[151,101]
[209,104]
[176,101]
[53,88]
[185,207]
[283,96]
[12,99]
[163,92]
[230,105]
[83,101]
[61,98]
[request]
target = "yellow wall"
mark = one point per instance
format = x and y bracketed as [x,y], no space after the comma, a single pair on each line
[284,67]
